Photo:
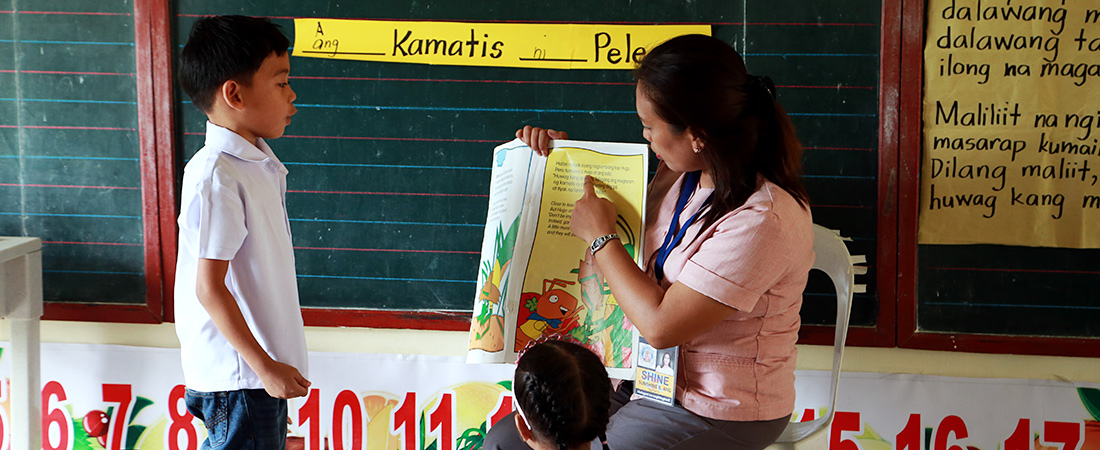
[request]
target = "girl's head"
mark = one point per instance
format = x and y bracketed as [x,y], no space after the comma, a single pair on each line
[666,359]
[703,111]
[563,394]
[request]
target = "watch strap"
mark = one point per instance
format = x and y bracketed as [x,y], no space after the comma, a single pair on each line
[599,242]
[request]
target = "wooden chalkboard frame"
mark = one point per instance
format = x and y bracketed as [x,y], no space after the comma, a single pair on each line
[159,161]
[883,334]
[150,43]
[910,131]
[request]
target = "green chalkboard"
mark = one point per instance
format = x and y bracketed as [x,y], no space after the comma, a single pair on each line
[1008,290]
[69,150]
[389,163]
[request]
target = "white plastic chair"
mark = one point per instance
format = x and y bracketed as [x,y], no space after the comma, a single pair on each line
[833,259]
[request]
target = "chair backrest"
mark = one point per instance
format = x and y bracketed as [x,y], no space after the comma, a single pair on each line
[831,257]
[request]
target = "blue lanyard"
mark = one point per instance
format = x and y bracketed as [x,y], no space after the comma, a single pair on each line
[674,236]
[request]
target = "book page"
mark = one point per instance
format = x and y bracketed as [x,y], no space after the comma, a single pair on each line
[564,294]
[511,164]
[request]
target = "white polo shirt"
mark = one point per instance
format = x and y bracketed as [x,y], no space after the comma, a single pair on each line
[233,208]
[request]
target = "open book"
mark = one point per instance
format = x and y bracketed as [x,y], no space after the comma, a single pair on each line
[536,279]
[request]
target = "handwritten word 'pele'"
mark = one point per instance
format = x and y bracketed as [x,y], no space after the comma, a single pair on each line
[407,46]
[1056,200]
[604,41]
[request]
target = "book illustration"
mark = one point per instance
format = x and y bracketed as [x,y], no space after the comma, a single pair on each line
[610,333]
[487,332]
[550,313]
[536,280]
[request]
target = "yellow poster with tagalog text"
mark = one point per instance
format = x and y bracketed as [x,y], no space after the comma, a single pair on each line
[1011,143]
[537,45]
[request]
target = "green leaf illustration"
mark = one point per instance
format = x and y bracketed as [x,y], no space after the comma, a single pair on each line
[1090,397]
[471,439]
[506,247]
[81,440]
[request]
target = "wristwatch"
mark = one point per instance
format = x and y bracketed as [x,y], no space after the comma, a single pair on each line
[601,241]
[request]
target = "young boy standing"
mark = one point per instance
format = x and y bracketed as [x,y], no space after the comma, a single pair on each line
[237,313]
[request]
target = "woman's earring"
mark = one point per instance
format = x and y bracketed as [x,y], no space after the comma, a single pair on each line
[695,149]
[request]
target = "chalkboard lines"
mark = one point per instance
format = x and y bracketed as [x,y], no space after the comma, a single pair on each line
[1008,290]
[389,163]
[69,170]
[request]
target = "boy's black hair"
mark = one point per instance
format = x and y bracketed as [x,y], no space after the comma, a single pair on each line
[564,392]
[223,48]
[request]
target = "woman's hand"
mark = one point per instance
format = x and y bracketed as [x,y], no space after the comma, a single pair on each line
[539,138]
[593,216]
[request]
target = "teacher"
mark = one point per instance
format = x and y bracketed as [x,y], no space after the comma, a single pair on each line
[728,248]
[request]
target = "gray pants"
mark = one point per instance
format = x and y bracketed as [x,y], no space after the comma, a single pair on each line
[643,424]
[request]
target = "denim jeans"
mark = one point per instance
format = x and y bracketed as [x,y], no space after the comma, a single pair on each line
[247,419]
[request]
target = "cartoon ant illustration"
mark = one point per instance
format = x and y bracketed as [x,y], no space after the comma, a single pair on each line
[548,310]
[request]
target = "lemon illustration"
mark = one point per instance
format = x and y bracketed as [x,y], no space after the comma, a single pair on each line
[474,401]
[870,440]
[153,437]
[379,408]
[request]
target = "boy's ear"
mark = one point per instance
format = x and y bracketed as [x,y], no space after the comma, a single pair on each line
[231,94]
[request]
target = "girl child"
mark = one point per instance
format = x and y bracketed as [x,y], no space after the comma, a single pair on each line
[562,397]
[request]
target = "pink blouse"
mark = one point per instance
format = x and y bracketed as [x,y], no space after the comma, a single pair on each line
[755,259]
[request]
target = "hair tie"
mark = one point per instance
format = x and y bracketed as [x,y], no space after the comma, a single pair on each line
[763,84]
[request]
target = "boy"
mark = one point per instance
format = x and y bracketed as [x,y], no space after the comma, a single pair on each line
[237,313]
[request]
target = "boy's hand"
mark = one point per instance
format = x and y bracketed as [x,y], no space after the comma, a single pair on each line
[283,381]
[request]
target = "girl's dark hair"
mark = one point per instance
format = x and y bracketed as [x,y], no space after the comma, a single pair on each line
[700,83]
[564,392]
[223,48]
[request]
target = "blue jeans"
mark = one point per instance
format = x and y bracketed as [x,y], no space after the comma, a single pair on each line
[247,419]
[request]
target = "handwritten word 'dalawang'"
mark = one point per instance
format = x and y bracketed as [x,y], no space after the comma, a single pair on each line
[544,46]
